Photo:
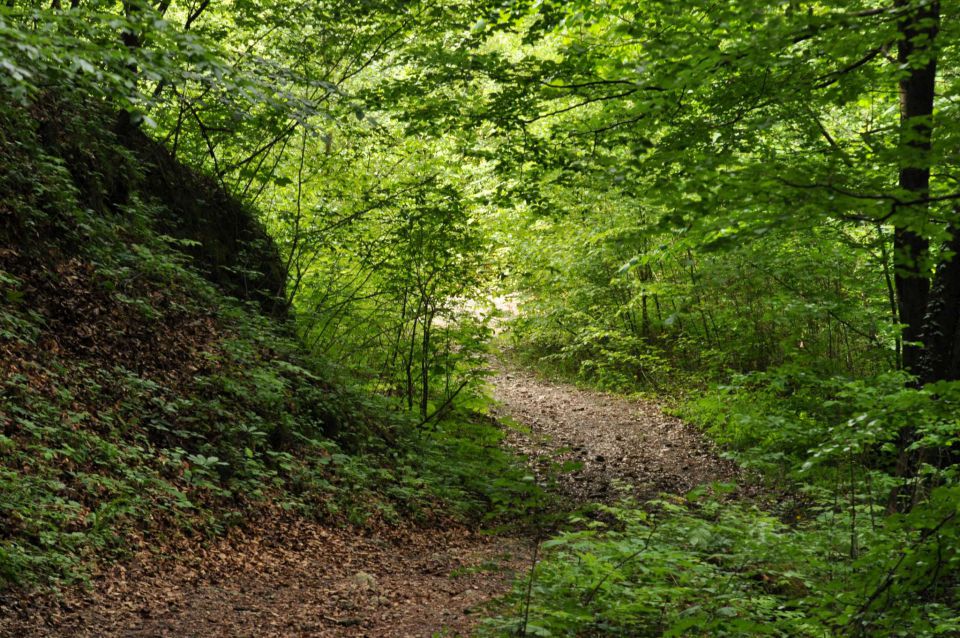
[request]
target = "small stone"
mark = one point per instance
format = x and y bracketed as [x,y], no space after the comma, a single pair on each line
[363,580]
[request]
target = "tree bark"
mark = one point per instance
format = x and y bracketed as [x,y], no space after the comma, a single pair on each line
[916,53]
[941,330]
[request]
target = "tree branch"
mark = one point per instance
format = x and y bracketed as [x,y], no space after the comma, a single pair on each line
[602,98]
[834,76]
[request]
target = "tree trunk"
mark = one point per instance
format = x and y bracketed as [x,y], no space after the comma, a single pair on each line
[941,330]
[916,55]
[918,30]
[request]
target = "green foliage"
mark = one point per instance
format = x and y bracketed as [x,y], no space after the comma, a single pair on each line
[679,569]
[713,200]
[725,201]
[594,308]
[701,567]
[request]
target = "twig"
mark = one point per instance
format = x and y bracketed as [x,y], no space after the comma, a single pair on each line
[529,593]
[596,588]
[343,622]
[892,573]
[443,406]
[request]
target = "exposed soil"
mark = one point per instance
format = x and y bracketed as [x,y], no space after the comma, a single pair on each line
[295,578]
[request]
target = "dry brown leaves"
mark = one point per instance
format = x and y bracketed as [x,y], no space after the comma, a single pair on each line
[289,577]
[91,318]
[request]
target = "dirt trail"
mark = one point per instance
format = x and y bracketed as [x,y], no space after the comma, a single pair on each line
[618,441]
[300,579]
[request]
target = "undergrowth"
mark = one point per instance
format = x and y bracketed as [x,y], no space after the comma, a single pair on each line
[699,567]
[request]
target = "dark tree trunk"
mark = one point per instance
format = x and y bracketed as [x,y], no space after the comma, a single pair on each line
[912,292]
[917,56]
[941,330]
[918,30]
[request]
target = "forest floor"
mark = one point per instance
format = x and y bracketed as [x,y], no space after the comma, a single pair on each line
[284,577]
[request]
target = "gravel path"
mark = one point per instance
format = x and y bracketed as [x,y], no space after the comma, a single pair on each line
[616,440]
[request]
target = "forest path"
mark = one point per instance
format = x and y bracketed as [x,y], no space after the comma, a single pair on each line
[617,441]
[292,578]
